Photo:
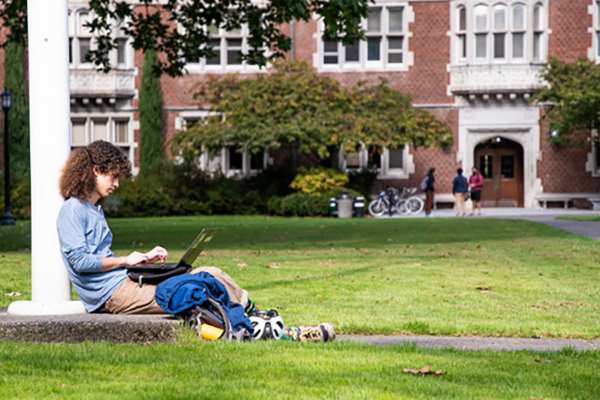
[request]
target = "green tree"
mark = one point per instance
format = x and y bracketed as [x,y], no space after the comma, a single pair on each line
[18,113]
[294,105]
[176,29]
[571,100]
[150,106]
[384,117]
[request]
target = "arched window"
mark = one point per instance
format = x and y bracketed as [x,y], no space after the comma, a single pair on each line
[518,27]
[461,32]
[84,36]
[499,29]
[538,32]
[480,16]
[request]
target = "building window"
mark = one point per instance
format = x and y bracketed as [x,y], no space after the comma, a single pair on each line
[538,32]
[113,129]
[597,27]
[593,161]
[389,163]
[81,41]
[461,33]
[229,160]
[500,31]
[481,27]
[384,47]
[227,46]
[518,28]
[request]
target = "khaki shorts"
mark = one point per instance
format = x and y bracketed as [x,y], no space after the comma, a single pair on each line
[130,298]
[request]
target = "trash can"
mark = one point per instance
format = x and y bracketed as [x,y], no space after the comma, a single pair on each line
[333,207]
[359,207]
[344,204]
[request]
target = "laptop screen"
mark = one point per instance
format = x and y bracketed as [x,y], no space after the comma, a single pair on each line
[203,238]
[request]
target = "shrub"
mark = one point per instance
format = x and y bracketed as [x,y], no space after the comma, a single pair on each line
[305,205]
[20,197]
[363,181]
[318,180]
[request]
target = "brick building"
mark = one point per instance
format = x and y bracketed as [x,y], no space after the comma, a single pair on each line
[473,63]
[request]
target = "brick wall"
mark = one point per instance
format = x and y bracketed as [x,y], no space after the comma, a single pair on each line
[562,168]
[569,21]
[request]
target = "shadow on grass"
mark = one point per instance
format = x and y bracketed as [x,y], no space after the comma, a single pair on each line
[269,233]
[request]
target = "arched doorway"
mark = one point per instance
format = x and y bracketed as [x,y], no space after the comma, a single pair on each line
[500,161]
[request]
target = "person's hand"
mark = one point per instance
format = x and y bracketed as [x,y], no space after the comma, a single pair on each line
[136,258]
[156,254]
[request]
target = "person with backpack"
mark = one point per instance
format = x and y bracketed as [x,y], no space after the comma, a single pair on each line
[476,184]
[99,276]
[460,190]
[427,184]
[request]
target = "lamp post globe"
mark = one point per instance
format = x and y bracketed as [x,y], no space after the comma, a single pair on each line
[7,217]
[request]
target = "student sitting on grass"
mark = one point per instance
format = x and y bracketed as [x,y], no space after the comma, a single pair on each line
[98,275]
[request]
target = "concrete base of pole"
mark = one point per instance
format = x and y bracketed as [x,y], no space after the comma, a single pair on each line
[25,307]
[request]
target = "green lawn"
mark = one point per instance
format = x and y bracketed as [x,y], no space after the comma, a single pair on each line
[367,276]
[190,369]
[383,276]
[580,217]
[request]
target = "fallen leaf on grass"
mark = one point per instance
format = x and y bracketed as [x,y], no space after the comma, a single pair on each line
[12,294]
[242,266]
[484,289]
[426,370]
[418,264]
[544,361]
[325,263]
[272,266]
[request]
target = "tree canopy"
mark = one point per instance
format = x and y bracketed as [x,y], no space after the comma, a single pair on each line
[179,29]
[294,105]
[571,100]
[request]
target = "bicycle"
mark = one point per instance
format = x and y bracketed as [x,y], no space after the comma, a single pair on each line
[394,202]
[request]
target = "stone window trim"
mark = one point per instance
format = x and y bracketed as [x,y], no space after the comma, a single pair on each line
[499,32]
[594,11]
[394,45]
[80,37]
[220,161]
[87,126]
[385,172]
[224,43]
[593,159]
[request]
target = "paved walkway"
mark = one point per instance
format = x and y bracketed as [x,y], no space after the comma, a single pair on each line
[545,216]
[149,328]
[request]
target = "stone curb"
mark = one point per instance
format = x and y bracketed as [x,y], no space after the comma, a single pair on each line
[162,328]
[87,327]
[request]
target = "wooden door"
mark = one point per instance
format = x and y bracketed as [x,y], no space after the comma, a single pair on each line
[501,164]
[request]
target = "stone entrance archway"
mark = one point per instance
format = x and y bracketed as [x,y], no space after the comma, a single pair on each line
[500,161]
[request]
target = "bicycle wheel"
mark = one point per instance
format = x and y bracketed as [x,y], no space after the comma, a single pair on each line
[415,204]
[401,208]
[377,208]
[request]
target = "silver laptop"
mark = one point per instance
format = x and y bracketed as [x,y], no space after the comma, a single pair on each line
[197,246]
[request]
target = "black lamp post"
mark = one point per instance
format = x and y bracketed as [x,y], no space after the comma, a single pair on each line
[7,217]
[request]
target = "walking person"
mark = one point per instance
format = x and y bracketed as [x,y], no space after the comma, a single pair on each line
[428,186]
[476,183]
[460,190]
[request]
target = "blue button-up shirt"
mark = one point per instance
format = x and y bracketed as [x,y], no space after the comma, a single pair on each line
[84,239]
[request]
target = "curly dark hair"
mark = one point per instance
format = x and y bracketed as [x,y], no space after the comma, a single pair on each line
[77,178]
